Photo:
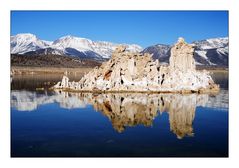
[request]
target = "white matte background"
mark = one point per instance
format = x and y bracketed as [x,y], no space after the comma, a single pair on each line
[7,5]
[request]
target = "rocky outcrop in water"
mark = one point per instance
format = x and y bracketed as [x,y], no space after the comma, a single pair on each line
[129,71]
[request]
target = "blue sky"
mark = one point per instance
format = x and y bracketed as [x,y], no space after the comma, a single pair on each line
[141,27]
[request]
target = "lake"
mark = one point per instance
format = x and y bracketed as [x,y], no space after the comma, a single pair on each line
[62,124]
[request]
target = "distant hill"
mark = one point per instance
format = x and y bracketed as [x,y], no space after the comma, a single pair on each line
[51,61]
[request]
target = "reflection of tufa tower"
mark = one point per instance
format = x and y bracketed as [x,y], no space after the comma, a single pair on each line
[128,110]
[181,114]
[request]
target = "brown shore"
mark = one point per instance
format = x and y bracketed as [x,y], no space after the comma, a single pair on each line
[213,69]
[185,92]
[25,70]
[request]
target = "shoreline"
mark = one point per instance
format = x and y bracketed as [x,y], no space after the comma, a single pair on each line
[186,92]
[213,69]
[26,70]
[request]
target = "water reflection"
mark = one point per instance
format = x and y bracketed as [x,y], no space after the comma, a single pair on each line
[128,110]
[29,101]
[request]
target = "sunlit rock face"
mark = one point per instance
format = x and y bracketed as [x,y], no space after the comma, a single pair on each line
[128,71]
[182,57]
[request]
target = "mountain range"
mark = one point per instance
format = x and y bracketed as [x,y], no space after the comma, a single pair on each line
[208,52]
[29,44]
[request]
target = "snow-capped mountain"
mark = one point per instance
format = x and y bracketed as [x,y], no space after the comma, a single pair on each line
[159,51]
[212,51]
[207,52]
[22,43]
[99,48]
[211,43]
[29,44]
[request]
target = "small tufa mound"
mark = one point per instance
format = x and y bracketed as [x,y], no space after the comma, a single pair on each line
[64,82]
[136,72]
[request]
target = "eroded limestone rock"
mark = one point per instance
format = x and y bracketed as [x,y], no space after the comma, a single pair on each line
[181,58]
[129,71]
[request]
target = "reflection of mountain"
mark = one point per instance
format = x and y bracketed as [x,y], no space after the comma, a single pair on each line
[219,101]
[127,110]
[29,101]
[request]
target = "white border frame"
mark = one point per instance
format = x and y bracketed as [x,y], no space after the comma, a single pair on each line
[8,5]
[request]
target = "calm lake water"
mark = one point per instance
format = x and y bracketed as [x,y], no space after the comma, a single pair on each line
[61,124]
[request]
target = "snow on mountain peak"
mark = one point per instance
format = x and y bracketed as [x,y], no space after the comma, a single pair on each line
[207,52]
[212,43]
[80,44]
[69,45]
[25,36]
[26,42]
[133,47]
[213,51]
[47,42]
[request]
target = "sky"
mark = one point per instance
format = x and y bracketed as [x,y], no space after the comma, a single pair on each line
[138,27]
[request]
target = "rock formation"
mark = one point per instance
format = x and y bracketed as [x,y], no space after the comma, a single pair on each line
[182,57]
[136,72]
